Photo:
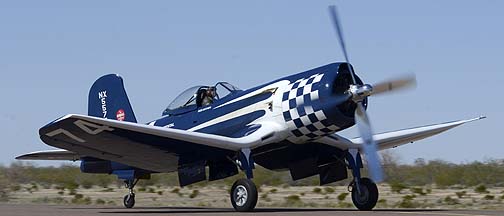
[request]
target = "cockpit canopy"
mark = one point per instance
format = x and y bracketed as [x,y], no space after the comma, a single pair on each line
[199,96]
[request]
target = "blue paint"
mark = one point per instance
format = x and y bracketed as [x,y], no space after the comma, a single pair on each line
[108,99]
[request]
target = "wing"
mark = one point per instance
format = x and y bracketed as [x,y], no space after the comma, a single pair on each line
[143,146]
[395,138]
[51,155]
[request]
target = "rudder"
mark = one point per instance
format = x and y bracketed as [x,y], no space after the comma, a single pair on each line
[108,99]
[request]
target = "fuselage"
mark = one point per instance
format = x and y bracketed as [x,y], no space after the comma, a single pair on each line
[305,106]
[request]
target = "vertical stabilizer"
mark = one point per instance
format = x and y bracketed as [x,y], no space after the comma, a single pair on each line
[108,99]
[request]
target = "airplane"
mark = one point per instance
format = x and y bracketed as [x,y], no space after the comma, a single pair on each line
[287,124]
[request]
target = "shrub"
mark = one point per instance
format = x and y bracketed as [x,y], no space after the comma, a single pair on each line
[274,190]
[108,190]
[87,184]
[194,194]
[317,190]
[72,192]
[342,196]
[15,188]
[450,201]
[397,187]
[407,202]
[481,189]
[460,194]
[489,197]
[151,190]
[329,190]
[293,200]
[418,190]
[160,192]
[100,202]
[4,185]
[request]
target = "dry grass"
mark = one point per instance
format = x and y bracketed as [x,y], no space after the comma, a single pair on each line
[299,196]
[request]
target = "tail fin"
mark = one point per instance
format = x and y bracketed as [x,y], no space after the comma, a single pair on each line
[108,99]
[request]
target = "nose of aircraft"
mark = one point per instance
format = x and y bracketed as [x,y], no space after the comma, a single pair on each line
[319,103]
[335,98]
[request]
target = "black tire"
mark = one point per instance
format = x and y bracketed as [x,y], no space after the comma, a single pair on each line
[243,195]
[369,195]
[129,200]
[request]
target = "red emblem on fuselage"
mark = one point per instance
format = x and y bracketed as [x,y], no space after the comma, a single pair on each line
[120,115]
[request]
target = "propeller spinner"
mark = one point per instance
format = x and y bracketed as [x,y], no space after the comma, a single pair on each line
[358,93]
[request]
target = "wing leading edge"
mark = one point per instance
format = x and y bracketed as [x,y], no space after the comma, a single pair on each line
[50,155]
[147,147]
[400,137]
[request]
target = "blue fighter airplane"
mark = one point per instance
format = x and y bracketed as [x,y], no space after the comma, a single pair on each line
[288,124]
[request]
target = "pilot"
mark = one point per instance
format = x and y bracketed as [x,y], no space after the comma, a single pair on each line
[208,96]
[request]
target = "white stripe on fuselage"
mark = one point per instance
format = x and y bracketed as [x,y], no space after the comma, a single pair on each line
[256,92]
[261,105]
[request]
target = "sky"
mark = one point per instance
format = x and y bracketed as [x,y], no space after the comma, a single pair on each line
[52,51]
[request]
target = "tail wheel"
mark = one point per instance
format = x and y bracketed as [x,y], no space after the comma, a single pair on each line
[243,195]
[129,200]
[368,196]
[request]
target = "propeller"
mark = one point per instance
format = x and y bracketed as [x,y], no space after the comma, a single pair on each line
[339,33]
[358,93]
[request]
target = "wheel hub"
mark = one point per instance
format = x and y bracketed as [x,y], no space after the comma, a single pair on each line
[240,195]
[363,196]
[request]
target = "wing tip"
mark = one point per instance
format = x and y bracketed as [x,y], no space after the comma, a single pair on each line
[475,119]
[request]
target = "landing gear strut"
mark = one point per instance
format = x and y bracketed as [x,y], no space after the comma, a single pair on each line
[129,199]
[364,190]
[244,192]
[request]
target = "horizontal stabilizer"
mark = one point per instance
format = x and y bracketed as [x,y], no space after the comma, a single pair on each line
[50,155]
[396,138]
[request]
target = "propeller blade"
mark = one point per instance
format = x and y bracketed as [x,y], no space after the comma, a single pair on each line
[339,33]
[369,145]
[408,81]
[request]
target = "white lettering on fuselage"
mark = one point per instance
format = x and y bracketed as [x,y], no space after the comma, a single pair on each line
[102,96]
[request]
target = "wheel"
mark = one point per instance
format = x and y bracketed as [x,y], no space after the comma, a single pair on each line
[243,195]
[366,200]
[129,200]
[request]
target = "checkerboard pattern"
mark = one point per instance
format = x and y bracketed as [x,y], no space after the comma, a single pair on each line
[303,121]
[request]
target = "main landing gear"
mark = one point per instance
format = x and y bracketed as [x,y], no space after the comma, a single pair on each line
[364,190]
[129,199]
[243,193]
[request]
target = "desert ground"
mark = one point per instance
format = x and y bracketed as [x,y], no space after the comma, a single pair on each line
[427,197]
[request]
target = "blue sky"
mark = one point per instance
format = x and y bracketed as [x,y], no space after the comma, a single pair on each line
[52,51]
